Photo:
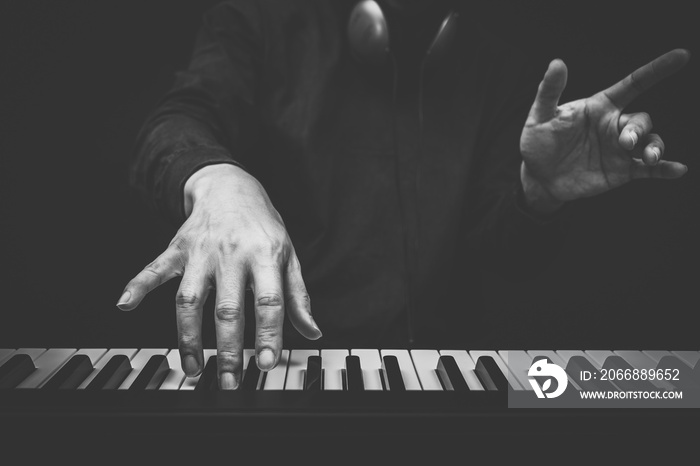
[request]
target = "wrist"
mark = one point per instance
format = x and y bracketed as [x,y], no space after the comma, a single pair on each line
[200,181]
[537,197]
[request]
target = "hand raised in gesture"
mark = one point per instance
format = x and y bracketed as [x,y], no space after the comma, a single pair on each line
[589,146]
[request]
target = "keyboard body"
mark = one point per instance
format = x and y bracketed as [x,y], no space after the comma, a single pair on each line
[424,409]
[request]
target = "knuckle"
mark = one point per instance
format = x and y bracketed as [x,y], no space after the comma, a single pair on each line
[269,300]
[201,242]
[179,242]
[186,299]
[229,311]
[300,298]
[228,245]
[269,333]
[229,360]
[188,341]
[274,247]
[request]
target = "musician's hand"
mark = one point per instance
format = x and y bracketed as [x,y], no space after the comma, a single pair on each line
[588,146]
[232,239]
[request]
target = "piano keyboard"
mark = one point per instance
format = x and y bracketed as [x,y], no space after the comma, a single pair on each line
[327,369]
[417,390]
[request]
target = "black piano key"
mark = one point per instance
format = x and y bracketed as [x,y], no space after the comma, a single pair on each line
[353,373]
[15,370]
[450,374]
[152,374]
[208,380]
[392,373]
[71,375]
[613,363]
[580,364]
[314,374]
[490,374]
[112,374]
[251,378]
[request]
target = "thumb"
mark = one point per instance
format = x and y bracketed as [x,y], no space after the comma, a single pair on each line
[549,92]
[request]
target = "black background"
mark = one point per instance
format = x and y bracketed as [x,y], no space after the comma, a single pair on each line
[77,79]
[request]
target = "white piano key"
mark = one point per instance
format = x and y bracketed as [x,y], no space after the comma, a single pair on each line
[639,360]
[33,353]
[274,379]
[656,355]
[296,368]
[599,356]
[95,354]
[565,355]
[556,359]
[333,364]
[138,362]
[5,353]
[128,352]
[190,382]
[689,357]
[371,364]
[466,367]
[476,354]
[46,365]
[176,376]
[425,362]
[408,371]
[519,363]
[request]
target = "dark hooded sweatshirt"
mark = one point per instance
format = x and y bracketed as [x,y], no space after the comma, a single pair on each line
[398,183]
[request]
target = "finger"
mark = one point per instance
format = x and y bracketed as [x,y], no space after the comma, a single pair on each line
[166,266]
[189,302]
[268,295]
[549,92]
[653,149]
[229,320]
[662,170]
[625,91]
[298,301]
[633,127]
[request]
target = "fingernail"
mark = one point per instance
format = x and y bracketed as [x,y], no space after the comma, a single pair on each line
[633,137]
[190,366]
[228,381]
[124,299]
[318,330]
[266,359]
[656,153]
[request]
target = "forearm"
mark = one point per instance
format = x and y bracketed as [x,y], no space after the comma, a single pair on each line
[169,149]
[209,115]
